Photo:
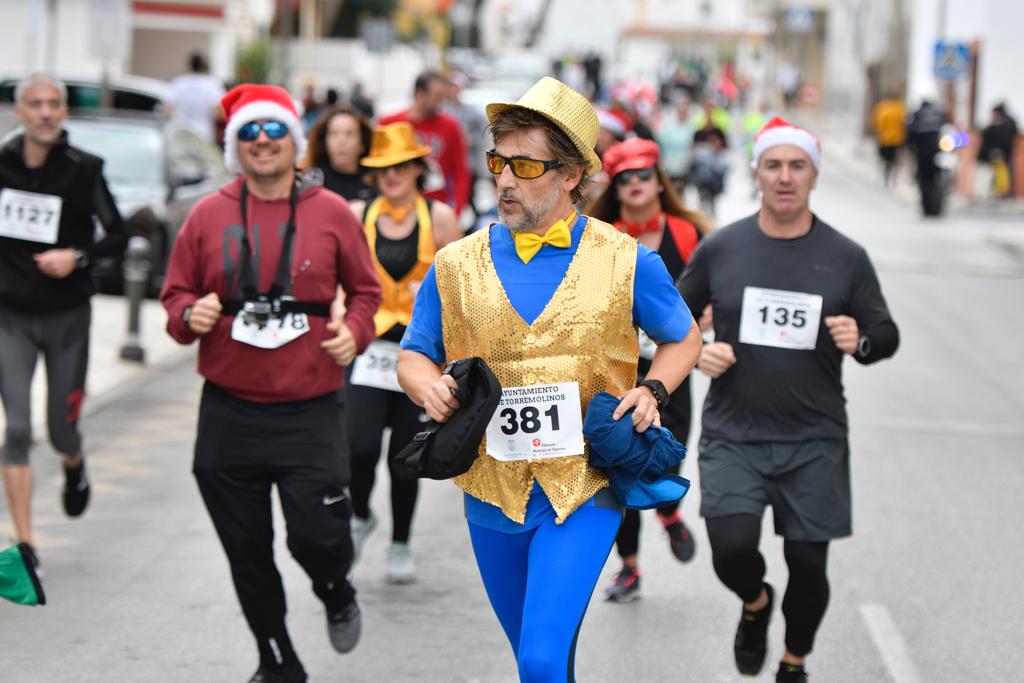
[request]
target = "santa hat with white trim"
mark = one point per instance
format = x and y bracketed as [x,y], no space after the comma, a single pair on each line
[251,102]
[779,131]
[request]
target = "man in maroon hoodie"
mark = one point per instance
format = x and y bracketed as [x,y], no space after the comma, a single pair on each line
[253,274]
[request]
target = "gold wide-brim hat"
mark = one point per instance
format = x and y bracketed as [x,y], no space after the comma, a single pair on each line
[392,144]
[564,107]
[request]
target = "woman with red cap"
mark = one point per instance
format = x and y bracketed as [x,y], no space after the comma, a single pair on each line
[640,201]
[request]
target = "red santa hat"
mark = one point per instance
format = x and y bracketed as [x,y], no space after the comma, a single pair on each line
[779,131]
[252,102]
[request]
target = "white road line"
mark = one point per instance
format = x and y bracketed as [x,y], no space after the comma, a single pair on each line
[890,644]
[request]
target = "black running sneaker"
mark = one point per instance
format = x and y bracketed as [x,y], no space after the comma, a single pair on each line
[76,490]
[625,586]
[271,674]
[344,627]
[791,673]
[679,540]
[751,645]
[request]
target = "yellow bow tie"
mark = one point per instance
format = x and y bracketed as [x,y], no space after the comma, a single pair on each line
[529,243]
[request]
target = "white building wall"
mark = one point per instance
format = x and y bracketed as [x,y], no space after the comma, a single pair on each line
[1002,54]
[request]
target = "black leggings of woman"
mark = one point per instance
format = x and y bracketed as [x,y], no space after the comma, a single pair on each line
[367,412]
[740,566]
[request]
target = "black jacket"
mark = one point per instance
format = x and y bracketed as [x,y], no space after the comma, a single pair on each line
[77,178]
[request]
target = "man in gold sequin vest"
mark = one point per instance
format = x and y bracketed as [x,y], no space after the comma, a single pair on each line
[551,301]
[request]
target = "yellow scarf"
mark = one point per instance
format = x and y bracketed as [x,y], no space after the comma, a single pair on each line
[398,213]
[558,235]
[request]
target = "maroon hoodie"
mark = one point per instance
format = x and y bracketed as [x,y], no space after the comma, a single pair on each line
[329,249]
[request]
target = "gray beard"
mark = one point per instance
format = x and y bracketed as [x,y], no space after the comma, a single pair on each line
[532,215]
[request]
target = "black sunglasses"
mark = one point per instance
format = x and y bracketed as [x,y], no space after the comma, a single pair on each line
[522,167]
[626,177]
[275,130]
[397,168]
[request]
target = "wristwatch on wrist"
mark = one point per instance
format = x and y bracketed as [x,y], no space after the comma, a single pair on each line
[186,314]
[658,389]
[81,258]
[863,347]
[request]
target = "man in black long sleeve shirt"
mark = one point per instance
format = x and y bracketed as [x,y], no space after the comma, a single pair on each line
[50,193]
[790,298]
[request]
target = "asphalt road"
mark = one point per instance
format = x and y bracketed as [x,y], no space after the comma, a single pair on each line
[926,590]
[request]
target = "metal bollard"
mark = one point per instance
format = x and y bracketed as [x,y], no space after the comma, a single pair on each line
[136,280]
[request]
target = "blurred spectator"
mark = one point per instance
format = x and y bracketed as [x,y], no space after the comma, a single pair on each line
[339,139]
[712,126]
[789,83]
[448,178]
[361,101]
[923,132]
[474,124]
[675,137]
[193,99]
[314,109]
[997,144]
[753,121]
[888,119]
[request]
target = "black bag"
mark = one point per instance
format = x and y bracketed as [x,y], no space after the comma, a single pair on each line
[443,451]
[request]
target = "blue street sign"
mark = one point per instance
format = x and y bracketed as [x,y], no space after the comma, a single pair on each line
[951,60]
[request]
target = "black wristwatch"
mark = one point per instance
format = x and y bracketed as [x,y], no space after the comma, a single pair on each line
[863,347]
[81,258]
[658,389]
[186,314]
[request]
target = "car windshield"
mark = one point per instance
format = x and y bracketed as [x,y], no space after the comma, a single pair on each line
[132,154]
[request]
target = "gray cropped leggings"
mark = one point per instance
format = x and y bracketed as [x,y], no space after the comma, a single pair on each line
[63,339]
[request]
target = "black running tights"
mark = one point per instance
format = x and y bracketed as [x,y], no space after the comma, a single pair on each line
[740,566]
[367,412]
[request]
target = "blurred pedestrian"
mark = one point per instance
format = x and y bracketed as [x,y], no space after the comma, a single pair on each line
[923,132]
[449,177]
[360,101]
[789,83]
[998,144]
[708,166]
[675,140]
[551,301]
[774,429]
[252,276]
[474,123]
[316,108]
[192,100]
[51,196]
[889,121]
[404,230]
[338,140]
[641,203]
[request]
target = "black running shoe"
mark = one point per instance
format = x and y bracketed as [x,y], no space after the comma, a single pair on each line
[680,541]
[791,673]
[625,586]
[751,645]
[269,674]
[344,627]
[76,490]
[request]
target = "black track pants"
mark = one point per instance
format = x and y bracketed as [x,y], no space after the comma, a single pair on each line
[740,566]
[242,450]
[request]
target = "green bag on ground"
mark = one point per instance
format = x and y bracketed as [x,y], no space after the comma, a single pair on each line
[18,580]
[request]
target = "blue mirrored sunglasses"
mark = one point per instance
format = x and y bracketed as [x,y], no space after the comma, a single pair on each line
[275,130]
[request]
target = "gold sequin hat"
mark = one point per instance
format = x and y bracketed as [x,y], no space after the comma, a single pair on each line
[392,144]
[564,107]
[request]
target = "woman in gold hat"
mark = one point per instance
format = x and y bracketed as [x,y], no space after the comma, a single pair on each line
[404,230]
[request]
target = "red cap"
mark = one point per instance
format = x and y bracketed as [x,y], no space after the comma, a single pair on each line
[629,155]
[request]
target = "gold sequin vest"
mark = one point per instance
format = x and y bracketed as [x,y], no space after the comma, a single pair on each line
[584,334]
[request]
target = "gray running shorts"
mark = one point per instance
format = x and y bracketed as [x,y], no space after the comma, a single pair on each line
[807,483]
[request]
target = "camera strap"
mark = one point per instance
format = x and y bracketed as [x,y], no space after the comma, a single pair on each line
[249,282]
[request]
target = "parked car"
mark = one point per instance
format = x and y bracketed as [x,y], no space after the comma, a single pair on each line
[133,93]
[156,172]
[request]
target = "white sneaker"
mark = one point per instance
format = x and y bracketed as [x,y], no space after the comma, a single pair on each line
[401,568]
[360,529]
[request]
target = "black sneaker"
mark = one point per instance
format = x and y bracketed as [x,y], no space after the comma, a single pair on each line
[344,627]
[751,645]
[791,673]
[268,674]
[76,490]
[625,586]
[680,541]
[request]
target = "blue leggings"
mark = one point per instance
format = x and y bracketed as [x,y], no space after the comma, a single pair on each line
[539,583]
